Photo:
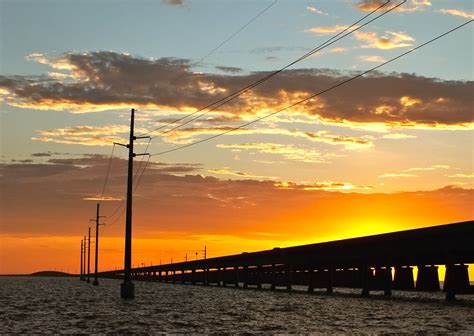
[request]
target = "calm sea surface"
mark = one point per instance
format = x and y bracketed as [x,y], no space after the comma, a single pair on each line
[52,305]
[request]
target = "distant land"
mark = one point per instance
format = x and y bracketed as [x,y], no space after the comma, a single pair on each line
[43,274]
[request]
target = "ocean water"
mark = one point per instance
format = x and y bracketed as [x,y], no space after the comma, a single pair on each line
[66,305]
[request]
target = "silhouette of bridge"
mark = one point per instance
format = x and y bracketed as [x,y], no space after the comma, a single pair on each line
[383,262]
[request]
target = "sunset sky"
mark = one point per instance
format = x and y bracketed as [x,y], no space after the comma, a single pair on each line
[392,150]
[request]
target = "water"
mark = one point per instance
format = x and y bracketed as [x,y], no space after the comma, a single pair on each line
[51,305]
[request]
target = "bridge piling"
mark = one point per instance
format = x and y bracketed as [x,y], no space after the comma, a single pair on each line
[383,280]
[366,277]
[289,277]
[403,278]
[330,280]
[456,280]
[428,279]
[310,280]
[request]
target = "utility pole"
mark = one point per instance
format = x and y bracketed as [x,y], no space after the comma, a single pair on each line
[89,257]
[84,260]
[97,218]
[127,289]
[81,276]
[205,252]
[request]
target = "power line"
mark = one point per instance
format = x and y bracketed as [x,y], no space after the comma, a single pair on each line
[107,174]
[237,32]
[250,86]
[316,94]
[196,63]
[327,43]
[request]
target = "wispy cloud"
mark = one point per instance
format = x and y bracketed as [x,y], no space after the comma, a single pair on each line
[397,175]
[462,175]
[372,58]
[324,185]
[457,12]
[289,152]
[327,29]
[428,168]
[315,10]
[84,135]
[230,171]
[186,135]
[398,136]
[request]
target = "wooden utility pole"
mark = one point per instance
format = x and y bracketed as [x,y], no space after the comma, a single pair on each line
[127,289]
[89,257]
[97,218]
[84,260]
[82,274]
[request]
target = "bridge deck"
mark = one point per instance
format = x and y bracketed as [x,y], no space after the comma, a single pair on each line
[363,262]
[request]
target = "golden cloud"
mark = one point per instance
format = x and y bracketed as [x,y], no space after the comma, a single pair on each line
[398,136]
[327,29]
[463,175]
[390,40]
[84,135]
[324,185]
[289,152]
[107,80]
[397,175]
[187,135]
[411,6]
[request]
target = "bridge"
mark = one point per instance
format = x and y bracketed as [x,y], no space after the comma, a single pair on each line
[383,262]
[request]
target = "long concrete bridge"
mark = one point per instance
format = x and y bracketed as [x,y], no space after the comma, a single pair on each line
[364,263]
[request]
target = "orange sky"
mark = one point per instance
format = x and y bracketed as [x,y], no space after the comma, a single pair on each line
[179,214]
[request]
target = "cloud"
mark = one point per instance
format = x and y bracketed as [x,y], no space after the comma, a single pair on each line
[463,175]
[411,6]
[84,135]
[398,136]
[229,171]
[289,152]
[108,80]
[457,12]
[173,2]
[231,70]
[390,40]
[327,29]
[428,168]
[187,135]
[315,10]
[372,58]
[184,210]
[324,185]
[397,175]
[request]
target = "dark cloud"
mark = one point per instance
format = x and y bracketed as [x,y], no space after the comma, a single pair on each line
[174,2]
[42,154]
[231,70]
[23,161]
[109,79]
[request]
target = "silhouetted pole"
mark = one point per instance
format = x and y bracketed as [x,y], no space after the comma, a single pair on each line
[97,218]
[127,290]
[89,257]
[84,260]
[80,277]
